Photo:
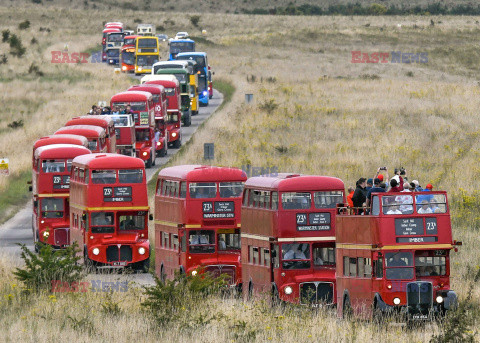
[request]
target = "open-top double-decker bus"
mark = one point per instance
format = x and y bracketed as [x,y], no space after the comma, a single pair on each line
[109,210]
[50,192]
[197,221]
[288,237]
[142,109]
[397,258]
[159,98]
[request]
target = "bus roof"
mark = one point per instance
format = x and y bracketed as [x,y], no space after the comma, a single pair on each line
[168,71]
[285,182]
[201,173]
[108,161]
[149,78]
[112,29]
[151,88]
[181,64]
[186,40]
[61,139]
[132,96]
[60,151]
[89,131]
[96,120]
[164,83]
[192,53]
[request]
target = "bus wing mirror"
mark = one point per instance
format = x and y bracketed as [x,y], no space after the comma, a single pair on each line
[84,216]
[150,216]
[29,188]
[35,203]
[274,253]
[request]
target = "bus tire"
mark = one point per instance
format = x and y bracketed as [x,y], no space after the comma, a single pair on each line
[154,158]
[88,263]
[149,163]
[163,276]
[276,301]
[143,266]
[347,308]
[163,152]
[250,291]
[188,119]
[177,143]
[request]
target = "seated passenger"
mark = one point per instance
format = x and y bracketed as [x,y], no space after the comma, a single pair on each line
[396,261]
[221,244]
[393,209]
[425,208]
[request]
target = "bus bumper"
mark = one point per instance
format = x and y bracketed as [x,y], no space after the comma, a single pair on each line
[119,255]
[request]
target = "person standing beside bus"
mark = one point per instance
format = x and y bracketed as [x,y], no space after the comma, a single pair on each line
[351,190]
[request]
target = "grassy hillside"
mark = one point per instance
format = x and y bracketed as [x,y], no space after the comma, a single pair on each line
[241,6]
[314,112]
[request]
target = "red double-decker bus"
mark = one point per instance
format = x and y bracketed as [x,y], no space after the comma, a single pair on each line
[142,107]
[104,122]
[397,258]
[95,134]
[160,109]
[288,237]
[109,210]
[50,190]
[197,221]
[174,113]
[58,139]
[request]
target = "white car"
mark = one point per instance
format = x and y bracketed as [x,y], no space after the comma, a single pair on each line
[181,35]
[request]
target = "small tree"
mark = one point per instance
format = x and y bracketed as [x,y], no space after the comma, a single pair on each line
[5,35]
[24,25]
[195,19]
[16,47]
[49,266]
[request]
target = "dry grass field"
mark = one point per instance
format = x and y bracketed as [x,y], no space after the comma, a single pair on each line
[314,112]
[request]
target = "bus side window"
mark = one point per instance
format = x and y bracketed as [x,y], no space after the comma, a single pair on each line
[378,267]
[375,206]
[183,189]
[275,256]
[266,257]
[346,264]
[245,197]
[274,200]
[157,189]
[184,242]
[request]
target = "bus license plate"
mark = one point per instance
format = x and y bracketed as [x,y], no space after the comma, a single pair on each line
[420,316]
[119,263]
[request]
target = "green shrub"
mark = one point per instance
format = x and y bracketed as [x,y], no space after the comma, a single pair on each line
[268,106]
[24,25]
[49,266]
[184,300]
[16,47]
[377,9]
[195,19]
[3,59]
[5,35]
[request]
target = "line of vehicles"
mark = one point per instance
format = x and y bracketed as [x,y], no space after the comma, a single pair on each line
[139,53]
[288,236]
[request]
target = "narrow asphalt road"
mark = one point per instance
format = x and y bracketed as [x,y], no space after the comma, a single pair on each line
[19,228]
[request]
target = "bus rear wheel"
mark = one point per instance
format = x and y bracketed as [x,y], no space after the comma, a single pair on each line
[347,308]
[142,266]
[149,162]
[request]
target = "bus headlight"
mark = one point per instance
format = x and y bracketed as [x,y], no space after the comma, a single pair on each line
[144,153]
[194,273]
[46,234]
[439,299]
[174,134]
[205,93]
[96,251]
[158,143]
[124,68]
[141,250]
[139,68]
[288,290]
[396,301]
